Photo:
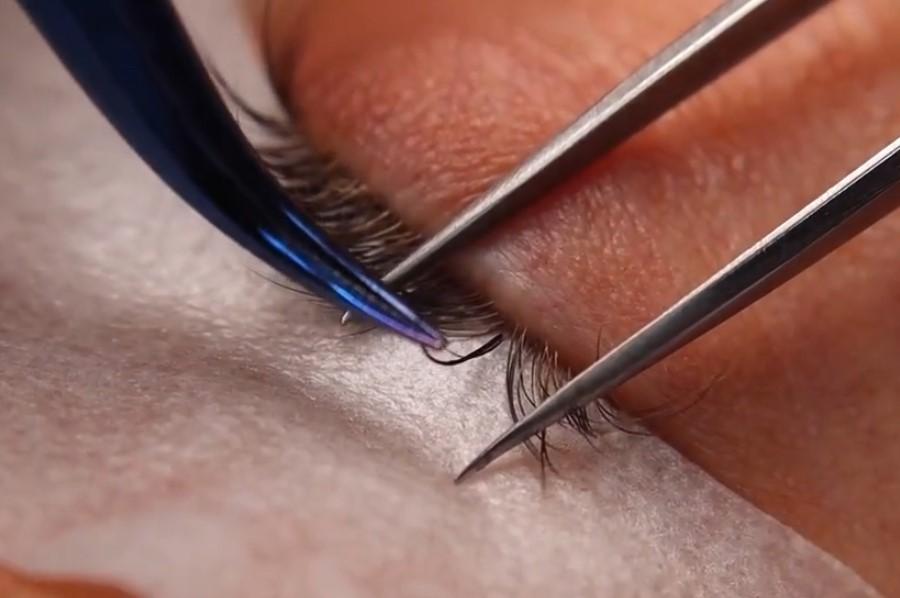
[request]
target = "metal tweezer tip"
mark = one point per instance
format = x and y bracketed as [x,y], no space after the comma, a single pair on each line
[863,197]
[546,414]
[485,458]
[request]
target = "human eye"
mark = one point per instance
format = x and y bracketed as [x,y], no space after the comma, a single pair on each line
[430,105]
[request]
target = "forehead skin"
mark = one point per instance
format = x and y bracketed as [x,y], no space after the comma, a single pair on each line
[172,424]
[432,102]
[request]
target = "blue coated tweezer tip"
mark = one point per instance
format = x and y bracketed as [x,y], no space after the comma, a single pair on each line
[136,62]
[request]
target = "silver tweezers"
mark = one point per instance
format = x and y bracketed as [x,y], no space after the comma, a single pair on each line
[721,40]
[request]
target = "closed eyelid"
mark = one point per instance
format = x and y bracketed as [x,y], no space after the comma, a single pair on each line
[364,222]
[433,108]
[433,104]
[360,221]
[432,114]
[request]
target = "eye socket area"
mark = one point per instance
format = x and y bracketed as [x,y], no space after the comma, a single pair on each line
[432,105]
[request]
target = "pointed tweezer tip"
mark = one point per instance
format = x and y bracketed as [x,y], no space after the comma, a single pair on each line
[417,331]
[421,332]
[424,335]
[436,341]
[548,413]
[513,437]
[476,465]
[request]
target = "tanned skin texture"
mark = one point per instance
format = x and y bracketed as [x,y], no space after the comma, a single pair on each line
[431,101]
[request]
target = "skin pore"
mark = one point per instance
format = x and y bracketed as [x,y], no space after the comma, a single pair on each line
[431,101]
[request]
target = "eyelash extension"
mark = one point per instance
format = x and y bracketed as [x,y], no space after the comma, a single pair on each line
[533,374]
[351,215]
[457,359]
[356,218]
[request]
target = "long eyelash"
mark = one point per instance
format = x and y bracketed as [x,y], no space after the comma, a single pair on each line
[534,373]
[457,359]
[356,218]
[351,215]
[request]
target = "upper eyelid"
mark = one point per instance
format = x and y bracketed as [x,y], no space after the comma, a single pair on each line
[359,220]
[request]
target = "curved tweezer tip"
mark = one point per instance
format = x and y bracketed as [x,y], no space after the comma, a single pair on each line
[136,62]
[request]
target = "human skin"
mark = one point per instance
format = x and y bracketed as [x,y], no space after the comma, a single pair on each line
[174,425]
[431,101]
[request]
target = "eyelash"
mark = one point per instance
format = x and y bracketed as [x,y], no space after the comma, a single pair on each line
[356,218]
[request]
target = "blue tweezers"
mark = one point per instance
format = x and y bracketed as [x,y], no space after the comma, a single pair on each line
[136,62]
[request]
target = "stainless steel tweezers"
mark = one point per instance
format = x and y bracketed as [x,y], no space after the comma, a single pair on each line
[721,40]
